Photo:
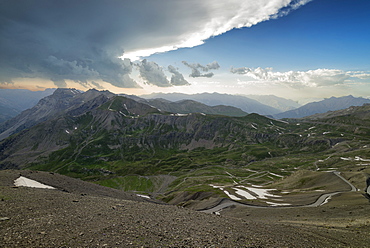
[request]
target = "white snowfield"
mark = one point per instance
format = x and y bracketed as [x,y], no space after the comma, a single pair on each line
[252,193]
[26,182]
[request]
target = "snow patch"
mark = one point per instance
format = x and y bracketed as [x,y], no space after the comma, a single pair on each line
[346,159]
[261,193]
[26,182]
[357,158]
[229,173]
[257,186]
[232,197]
[283,121]
[74,91]
[278,204]
[245,194]
[276,175]
[253,193]
[143,196]
[326,200]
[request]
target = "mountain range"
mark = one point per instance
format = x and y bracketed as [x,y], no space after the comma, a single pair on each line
[192,160]
[117,128]
[70,130]
[161,153]
[14,101]
[189,106]
[279,103]
[213,99]
[329,104]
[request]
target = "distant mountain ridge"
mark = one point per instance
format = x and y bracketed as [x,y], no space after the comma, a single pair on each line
[190,106]
[279,103]
[355,113]
[330,104]
[213,99]
[23,99]
[7,111]
[14,101]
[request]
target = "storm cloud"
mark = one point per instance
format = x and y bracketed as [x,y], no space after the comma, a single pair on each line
[63,40]
[84,40]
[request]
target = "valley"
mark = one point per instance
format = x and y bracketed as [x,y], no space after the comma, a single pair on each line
[281,169]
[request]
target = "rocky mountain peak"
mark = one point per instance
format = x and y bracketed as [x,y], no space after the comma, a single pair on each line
[60,102]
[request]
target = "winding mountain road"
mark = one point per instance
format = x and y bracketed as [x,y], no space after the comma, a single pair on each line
[224,203]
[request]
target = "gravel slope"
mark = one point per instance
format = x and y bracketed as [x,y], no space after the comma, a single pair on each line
[55,218]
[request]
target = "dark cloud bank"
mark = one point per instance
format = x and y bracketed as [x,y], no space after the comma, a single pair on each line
[82,40]
[74,40]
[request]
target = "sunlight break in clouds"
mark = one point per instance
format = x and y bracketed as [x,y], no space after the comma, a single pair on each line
[217,18]
[311,78]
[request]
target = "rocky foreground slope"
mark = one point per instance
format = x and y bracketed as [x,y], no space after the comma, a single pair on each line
[81,217]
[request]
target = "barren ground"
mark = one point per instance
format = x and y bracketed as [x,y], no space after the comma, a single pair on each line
[80,214]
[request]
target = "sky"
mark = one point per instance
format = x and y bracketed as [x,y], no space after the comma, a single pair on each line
[296,49]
